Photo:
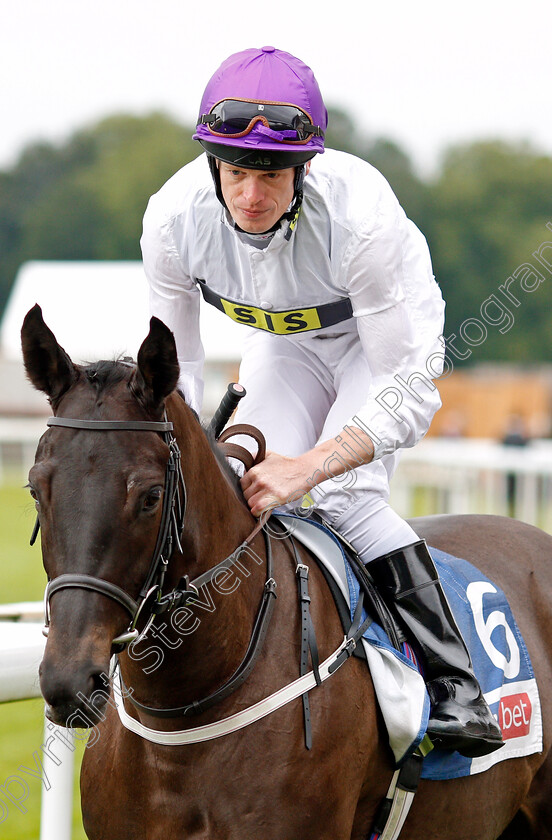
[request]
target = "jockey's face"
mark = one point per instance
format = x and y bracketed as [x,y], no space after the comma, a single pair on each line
[256,199]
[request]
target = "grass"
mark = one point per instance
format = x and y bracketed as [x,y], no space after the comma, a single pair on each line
[22,578]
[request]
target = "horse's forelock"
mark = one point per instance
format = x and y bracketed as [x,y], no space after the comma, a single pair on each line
[103,374]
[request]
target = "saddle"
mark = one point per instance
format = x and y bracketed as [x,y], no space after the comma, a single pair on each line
[373,603]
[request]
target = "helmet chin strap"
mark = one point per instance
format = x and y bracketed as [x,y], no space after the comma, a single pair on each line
[290,215]
[213,166]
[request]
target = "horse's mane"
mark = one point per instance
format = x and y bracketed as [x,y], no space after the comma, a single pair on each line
[221,459]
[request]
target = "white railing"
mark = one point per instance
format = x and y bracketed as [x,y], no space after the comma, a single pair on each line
[21,650]
[476,476]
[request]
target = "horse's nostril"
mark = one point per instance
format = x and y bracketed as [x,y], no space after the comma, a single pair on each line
[75,697]
[97,695]
[99,682]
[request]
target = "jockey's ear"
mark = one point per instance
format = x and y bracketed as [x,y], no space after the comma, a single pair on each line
[157,370]
[48,366]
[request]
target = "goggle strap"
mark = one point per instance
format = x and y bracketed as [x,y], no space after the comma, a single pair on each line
[313,129]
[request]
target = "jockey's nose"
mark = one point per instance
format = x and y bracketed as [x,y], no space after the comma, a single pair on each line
[253,191]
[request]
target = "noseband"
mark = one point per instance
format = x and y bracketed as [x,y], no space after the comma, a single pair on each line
[168,536]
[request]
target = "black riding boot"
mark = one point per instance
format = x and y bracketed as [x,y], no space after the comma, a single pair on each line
[460,717]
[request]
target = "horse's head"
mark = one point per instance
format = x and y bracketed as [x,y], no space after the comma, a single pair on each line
[119,475]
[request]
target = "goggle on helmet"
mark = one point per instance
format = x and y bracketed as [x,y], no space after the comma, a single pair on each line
[262,109]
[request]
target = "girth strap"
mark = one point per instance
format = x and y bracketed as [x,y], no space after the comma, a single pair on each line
[394,809]
[308,639]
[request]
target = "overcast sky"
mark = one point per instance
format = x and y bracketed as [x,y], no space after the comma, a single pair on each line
[426,74]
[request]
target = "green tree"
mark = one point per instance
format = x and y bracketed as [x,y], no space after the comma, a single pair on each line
[85,200]
[386,156]
[98,206]
[488,211]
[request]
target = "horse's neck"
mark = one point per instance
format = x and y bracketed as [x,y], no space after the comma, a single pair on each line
[199,646]
[217,519]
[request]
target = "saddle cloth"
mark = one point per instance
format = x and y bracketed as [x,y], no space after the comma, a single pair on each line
[499,655]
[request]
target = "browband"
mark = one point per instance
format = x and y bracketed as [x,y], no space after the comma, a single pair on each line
[112,425]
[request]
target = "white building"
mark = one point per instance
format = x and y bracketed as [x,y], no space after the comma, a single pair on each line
[96,310]
[99,310]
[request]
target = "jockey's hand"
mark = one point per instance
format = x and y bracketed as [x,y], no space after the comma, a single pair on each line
[278,479]
[275,481]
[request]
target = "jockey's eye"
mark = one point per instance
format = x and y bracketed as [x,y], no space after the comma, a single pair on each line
[152,498]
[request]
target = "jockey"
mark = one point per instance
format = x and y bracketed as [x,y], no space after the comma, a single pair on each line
[311,249]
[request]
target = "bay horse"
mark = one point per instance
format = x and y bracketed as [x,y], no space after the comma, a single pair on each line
[100,492]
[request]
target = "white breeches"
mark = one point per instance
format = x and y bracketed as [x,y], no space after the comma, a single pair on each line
[300,392]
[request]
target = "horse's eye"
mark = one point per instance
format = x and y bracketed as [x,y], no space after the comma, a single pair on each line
[152,497]
[34,495]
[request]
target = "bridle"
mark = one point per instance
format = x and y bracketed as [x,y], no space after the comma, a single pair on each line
[168,536]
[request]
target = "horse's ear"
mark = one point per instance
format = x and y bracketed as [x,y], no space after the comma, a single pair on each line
[157,372]
[48,366]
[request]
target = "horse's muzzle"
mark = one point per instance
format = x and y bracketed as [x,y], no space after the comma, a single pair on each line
[75,697]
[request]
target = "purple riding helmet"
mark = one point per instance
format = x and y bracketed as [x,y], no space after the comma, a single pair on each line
[262,109]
